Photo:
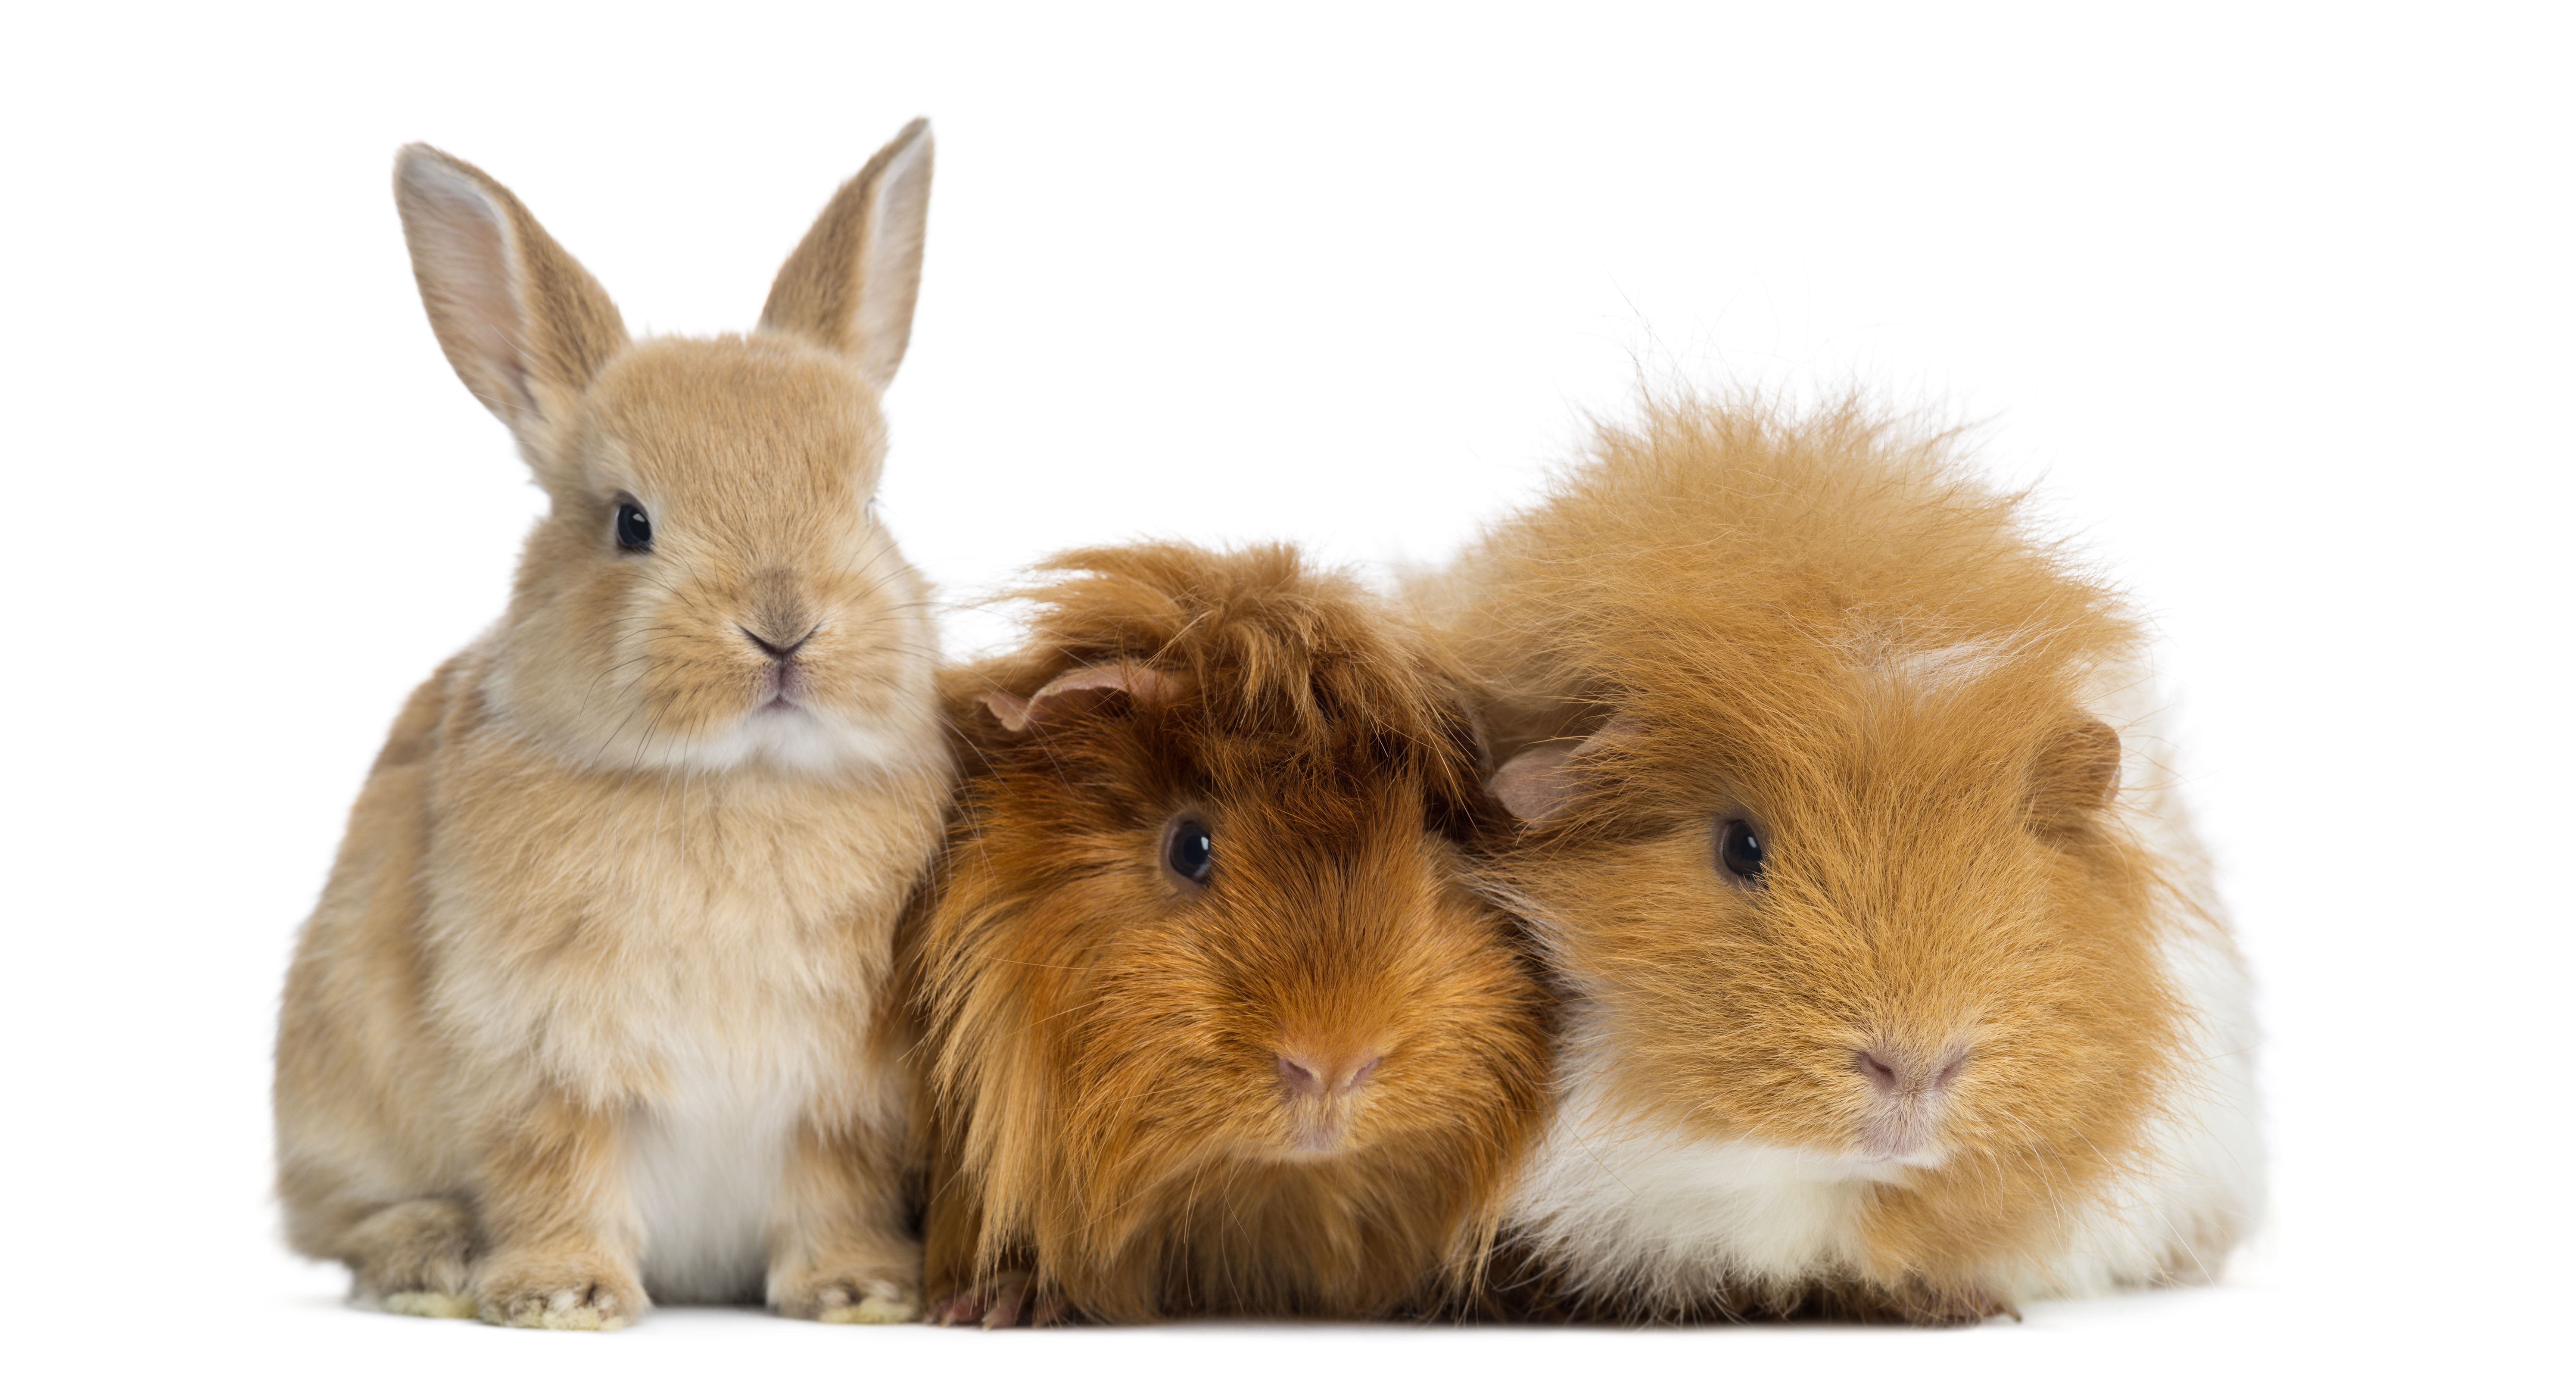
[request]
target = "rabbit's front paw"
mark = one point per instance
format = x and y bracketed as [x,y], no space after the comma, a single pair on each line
[415,1258]
[427,1304]
[854,1295]
[574,1293]
[844,1302]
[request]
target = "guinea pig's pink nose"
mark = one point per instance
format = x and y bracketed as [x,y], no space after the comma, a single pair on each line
[1904,1072]
[1317,1072]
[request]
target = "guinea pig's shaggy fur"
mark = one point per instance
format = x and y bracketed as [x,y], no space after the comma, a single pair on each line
[1296,1087]
[1894,981]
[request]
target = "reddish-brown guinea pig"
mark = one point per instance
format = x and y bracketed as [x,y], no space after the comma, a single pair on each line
[1210,1025]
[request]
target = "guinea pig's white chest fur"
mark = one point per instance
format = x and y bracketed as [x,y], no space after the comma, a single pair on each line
[1625,1200]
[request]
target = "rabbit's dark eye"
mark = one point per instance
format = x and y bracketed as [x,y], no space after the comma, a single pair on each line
[1188,851]
[634,529]
[1739,850]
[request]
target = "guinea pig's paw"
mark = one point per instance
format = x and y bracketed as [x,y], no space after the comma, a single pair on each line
[561,1293]
[1005,1300]
[849,1297]
[1960,1308]
[950,1310]
[1931,1306]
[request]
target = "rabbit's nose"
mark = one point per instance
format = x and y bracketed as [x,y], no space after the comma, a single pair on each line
[1323,1073]
[780,650]
[1898,1072]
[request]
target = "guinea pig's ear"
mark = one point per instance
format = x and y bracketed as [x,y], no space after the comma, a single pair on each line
[1535,782]
[1538,782]
[851,284]
[2075,776]
[1078,691]
[521,322]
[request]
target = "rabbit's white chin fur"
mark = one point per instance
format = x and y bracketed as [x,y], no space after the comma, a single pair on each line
[797,739]
[803,738]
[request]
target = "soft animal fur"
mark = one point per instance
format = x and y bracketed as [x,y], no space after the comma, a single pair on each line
[1294,1088]
[1974,1032]
[594,1005]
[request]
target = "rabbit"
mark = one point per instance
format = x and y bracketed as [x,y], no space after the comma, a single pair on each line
[1894,986]
[1210,1024]
[594,1009]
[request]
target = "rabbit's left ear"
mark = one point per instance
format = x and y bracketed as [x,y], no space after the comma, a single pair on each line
[850,285]
[520,320]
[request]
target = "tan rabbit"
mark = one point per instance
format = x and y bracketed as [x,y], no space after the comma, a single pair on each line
[592,1009]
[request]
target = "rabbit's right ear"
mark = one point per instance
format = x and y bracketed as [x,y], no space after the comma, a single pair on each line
[521,321]
[851,284]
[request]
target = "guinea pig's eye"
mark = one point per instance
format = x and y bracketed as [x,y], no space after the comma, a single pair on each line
[1739,850]
[1187,849]
[634,529]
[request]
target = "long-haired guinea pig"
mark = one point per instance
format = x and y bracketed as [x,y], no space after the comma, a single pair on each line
[1894,986]
[596,1006]
[1211,1024]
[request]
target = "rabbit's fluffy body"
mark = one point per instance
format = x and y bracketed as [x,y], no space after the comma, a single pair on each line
[1972,1032]
[594,1008]
[1114,1052]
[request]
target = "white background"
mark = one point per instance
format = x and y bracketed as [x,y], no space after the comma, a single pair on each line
[2274,303]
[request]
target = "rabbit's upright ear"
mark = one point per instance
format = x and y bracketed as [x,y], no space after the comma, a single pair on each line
[522,322]
[851,283]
